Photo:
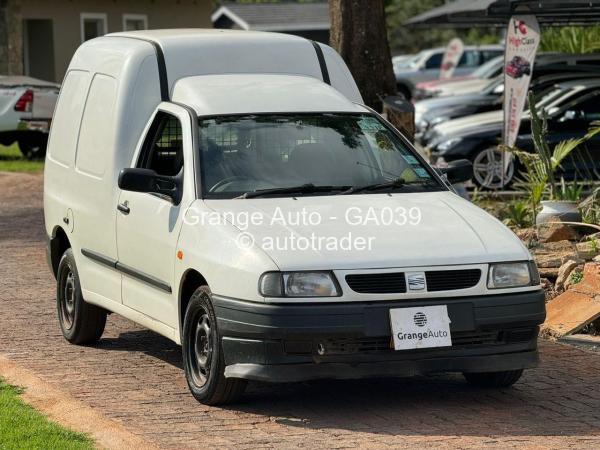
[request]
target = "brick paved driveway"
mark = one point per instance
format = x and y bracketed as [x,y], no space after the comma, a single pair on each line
[134,376]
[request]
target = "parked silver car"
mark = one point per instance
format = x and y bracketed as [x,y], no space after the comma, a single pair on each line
[425,66]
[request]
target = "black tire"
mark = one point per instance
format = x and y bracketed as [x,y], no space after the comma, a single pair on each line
[494,379]
[203,359]
[33,149]
[81,322]
[404,90]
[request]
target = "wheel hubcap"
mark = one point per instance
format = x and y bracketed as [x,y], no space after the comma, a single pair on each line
[201,346]
[68,300]
[488,169]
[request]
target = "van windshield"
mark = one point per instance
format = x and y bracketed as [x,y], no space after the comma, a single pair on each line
[330,153]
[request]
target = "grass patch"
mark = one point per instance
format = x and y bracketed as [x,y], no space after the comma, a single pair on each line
[11,160]
[22,427]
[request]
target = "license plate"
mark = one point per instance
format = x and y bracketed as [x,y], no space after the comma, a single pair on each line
[420,327]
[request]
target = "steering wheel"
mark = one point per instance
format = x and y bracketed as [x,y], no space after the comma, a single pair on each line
[226,181]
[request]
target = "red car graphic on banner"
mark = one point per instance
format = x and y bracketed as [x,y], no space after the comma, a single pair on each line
[517,67]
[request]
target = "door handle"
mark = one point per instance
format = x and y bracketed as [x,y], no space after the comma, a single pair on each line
[124,207]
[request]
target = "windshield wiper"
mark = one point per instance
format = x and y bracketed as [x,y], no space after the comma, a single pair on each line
[308,188]
[396,183]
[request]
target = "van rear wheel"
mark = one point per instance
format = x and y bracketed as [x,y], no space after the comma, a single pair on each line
[494,379]
[203,359]
[81,323]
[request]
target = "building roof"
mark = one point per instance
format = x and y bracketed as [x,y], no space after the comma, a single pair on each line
[276,16]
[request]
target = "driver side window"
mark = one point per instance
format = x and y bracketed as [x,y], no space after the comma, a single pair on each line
[163,148]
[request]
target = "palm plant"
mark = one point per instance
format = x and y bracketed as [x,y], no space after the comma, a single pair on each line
[541,166]
[571,39]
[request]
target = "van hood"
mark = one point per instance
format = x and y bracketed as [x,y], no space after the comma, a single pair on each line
[450,231]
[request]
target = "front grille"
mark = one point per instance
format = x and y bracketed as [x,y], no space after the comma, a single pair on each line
[346,346]
[377,283]
[448,280]
[395,282]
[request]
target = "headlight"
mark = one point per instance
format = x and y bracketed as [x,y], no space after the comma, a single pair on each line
[511,275]
[447,145]
[438,119]
[298,284]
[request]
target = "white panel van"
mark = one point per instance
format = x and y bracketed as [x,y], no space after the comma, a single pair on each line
[229,191]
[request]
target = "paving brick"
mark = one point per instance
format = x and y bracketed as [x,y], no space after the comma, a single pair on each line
[135,377]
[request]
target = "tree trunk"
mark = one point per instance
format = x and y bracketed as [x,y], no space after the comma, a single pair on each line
[358,33]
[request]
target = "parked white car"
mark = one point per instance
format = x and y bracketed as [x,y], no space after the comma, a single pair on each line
[229,191]
[26,107]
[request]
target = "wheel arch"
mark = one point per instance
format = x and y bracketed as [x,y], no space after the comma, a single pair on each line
[190,281]
[59,243]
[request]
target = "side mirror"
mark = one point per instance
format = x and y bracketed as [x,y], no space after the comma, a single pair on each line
[458,171]
[146,180]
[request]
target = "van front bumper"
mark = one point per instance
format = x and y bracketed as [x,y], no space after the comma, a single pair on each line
[296,342]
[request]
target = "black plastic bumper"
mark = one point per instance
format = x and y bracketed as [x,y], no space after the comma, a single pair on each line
[293,342]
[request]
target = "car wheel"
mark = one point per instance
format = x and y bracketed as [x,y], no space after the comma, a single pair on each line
[487,169]
[404,90]
[203,359]
[494,379]
[32,149]
[81,323]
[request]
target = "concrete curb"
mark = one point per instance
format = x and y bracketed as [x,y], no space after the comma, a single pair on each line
[68,412]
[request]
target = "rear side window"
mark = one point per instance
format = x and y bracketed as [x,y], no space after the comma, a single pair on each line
[97,126]
[486,55]
[65,124]
[163,148]
[434,61]
[469,58]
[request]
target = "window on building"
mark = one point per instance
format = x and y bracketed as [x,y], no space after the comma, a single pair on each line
[134,22]
[92,26]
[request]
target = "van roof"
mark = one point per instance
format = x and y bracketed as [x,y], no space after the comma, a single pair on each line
[260,93]
[190,52]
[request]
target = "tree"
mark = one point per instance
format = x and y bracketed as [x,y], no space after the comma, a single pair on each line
[359,34]
[412,40]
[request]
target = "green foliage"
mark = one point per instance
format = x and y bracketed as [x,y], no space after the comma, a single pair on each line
[412,40]
[11,160]
[22,427]
[517,214]
[595,245]
[576,276]
[569,191]
[570,39]
[541,166]
[590,208]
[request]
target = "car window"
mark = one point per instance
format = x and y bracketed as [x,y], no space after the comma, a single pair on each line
[487,55]
[163,149]
[490,69]
[254,152]
[469,58]
[434,61]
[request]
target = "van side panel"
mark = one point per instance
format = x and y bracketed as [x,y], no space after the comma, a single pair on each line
[118,103]
[62,144]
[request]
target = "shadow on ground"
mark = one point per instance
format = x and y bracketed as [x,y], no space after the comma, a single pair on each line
[439,404]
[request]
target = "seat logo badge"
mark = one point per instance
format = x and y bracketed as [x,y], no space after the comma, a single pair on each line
[415,281]
[420,319]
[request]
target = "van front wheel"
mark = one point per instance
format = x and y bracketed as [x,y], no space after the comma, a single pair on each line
[203,359]
[494,379]
[81,323]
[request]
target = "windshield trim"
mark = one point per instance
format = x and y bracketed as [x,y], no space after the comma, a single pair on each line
[201,192]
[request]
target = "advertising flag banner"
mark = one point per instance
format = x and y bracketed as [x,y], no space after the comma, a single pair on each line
[522,40]
[454,52]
